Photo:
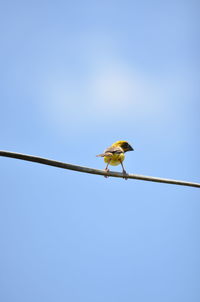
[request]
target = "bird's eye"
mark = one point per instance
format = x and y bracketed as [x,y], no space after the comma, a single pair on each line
[125,145]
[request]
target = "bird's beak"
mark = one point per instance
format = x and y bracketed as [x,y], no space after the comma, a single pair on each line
[130,148]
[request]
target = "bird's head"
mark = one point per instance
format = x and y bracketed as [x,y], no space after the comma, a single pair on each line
[124,145]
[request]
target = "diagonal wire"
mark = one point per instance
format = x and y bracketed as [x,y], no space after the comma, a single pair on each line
[62,165]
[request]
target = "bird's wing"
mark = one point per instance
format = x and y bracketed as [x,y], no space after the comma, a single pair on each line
[111,150]
[114,150]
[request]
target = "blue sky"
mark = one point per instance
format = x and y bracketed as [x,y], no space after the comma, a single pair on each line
[76,77]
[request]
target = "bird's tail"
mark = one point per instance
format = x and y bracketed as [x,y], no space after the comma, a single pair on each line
[100,155]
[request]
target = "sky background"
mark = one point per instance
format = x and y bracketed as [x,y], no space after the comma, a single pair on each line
[75,76]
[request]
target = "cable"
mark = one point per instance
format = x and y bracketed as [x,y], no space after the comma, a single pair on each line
[62,165]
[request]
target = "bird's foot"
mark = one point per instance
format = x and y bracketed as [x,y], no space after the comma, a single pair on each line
[125,175]
[106,170]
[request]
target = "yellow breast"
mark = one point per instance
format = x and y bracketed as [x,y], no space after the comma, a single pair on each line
[116,159]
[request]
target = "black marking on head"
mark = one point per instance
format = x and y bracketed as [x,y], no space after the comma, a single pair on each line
[126,147]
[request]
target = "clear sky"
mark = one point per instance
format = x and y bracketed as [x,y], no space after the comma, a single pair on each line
[75,76]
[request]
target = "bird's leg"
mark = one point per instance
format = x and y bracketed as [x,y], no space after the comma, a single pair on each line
[124,171]
[106,169]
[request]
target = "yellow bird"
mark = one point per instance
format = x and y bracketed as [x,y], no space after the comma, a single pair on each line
[115,154]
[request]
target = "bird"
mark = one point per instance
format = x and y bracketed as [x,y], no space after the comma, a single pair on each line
[115,154]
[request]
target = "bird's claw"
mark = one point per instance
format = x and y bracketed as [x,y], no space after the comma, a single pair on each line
[106,170]
[125,175]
